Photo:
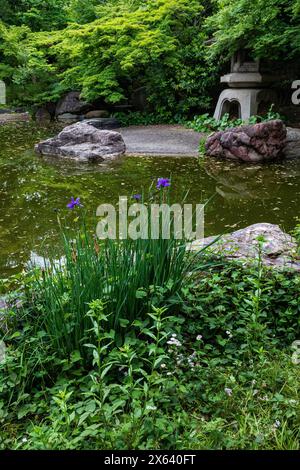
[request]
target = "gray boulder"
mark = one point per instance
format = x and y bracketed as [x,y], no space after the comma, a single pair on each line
[250,143]
[292,149]
[97,113]
[84,143]
[72,103]
[103,123]
[68,118]
[42,116]
[15,117]
[279,249]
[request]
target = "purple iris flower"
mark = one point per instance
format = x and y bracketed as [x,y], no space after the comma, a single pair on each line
[163,183]
[137,197]
[74,203]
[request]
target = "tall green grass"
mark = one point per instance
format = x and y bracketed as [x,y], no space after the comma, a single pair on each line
[126,275]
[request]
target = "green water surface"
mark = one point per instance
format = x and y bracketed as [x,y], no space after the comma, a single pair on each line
[33,189]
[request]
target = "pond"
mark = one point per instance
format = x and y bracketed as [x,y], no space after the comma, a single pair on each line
[33,189]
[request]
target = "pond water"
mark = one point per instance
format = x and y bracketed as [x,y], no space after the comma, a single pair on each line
[32,190]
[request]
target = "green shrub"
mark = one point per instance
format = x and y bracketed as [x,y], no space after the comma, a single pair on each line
[243,312]
[206,123]
[145,119]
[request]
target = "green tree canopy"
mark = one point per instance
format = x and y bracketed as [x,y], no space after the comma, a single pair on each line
[39,15]
[270,28]
[155,44]
[106,49]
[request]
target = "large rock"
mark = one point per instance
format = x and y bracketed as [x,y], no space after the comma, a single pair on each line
[42,116]
[97,113]
[72,103]
[68,118]
[103,123]
[14,117]
[292,149]
[279,249]
[84,143]
[250,143]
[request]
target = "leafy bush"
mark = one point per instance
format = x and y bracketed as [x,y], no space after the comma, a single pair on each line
[145,119]
[206,123]
[243,312]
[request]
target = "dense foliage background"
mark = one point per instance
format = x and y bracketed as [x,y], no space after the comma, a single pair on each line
[108,48]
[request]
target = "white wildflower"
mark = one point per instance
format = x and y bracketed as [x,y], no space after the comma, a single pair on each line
[151,408]
[277,424]
[174,342]
[228,391]
[264,398]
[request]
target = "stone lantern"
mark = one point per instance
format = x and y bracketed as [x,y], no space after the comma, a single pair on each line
[248,88]
[2,92]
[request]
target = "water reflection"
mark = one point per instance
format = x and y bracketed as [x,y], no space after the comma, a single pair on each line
[35,191]
[38,261]
[263,182]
